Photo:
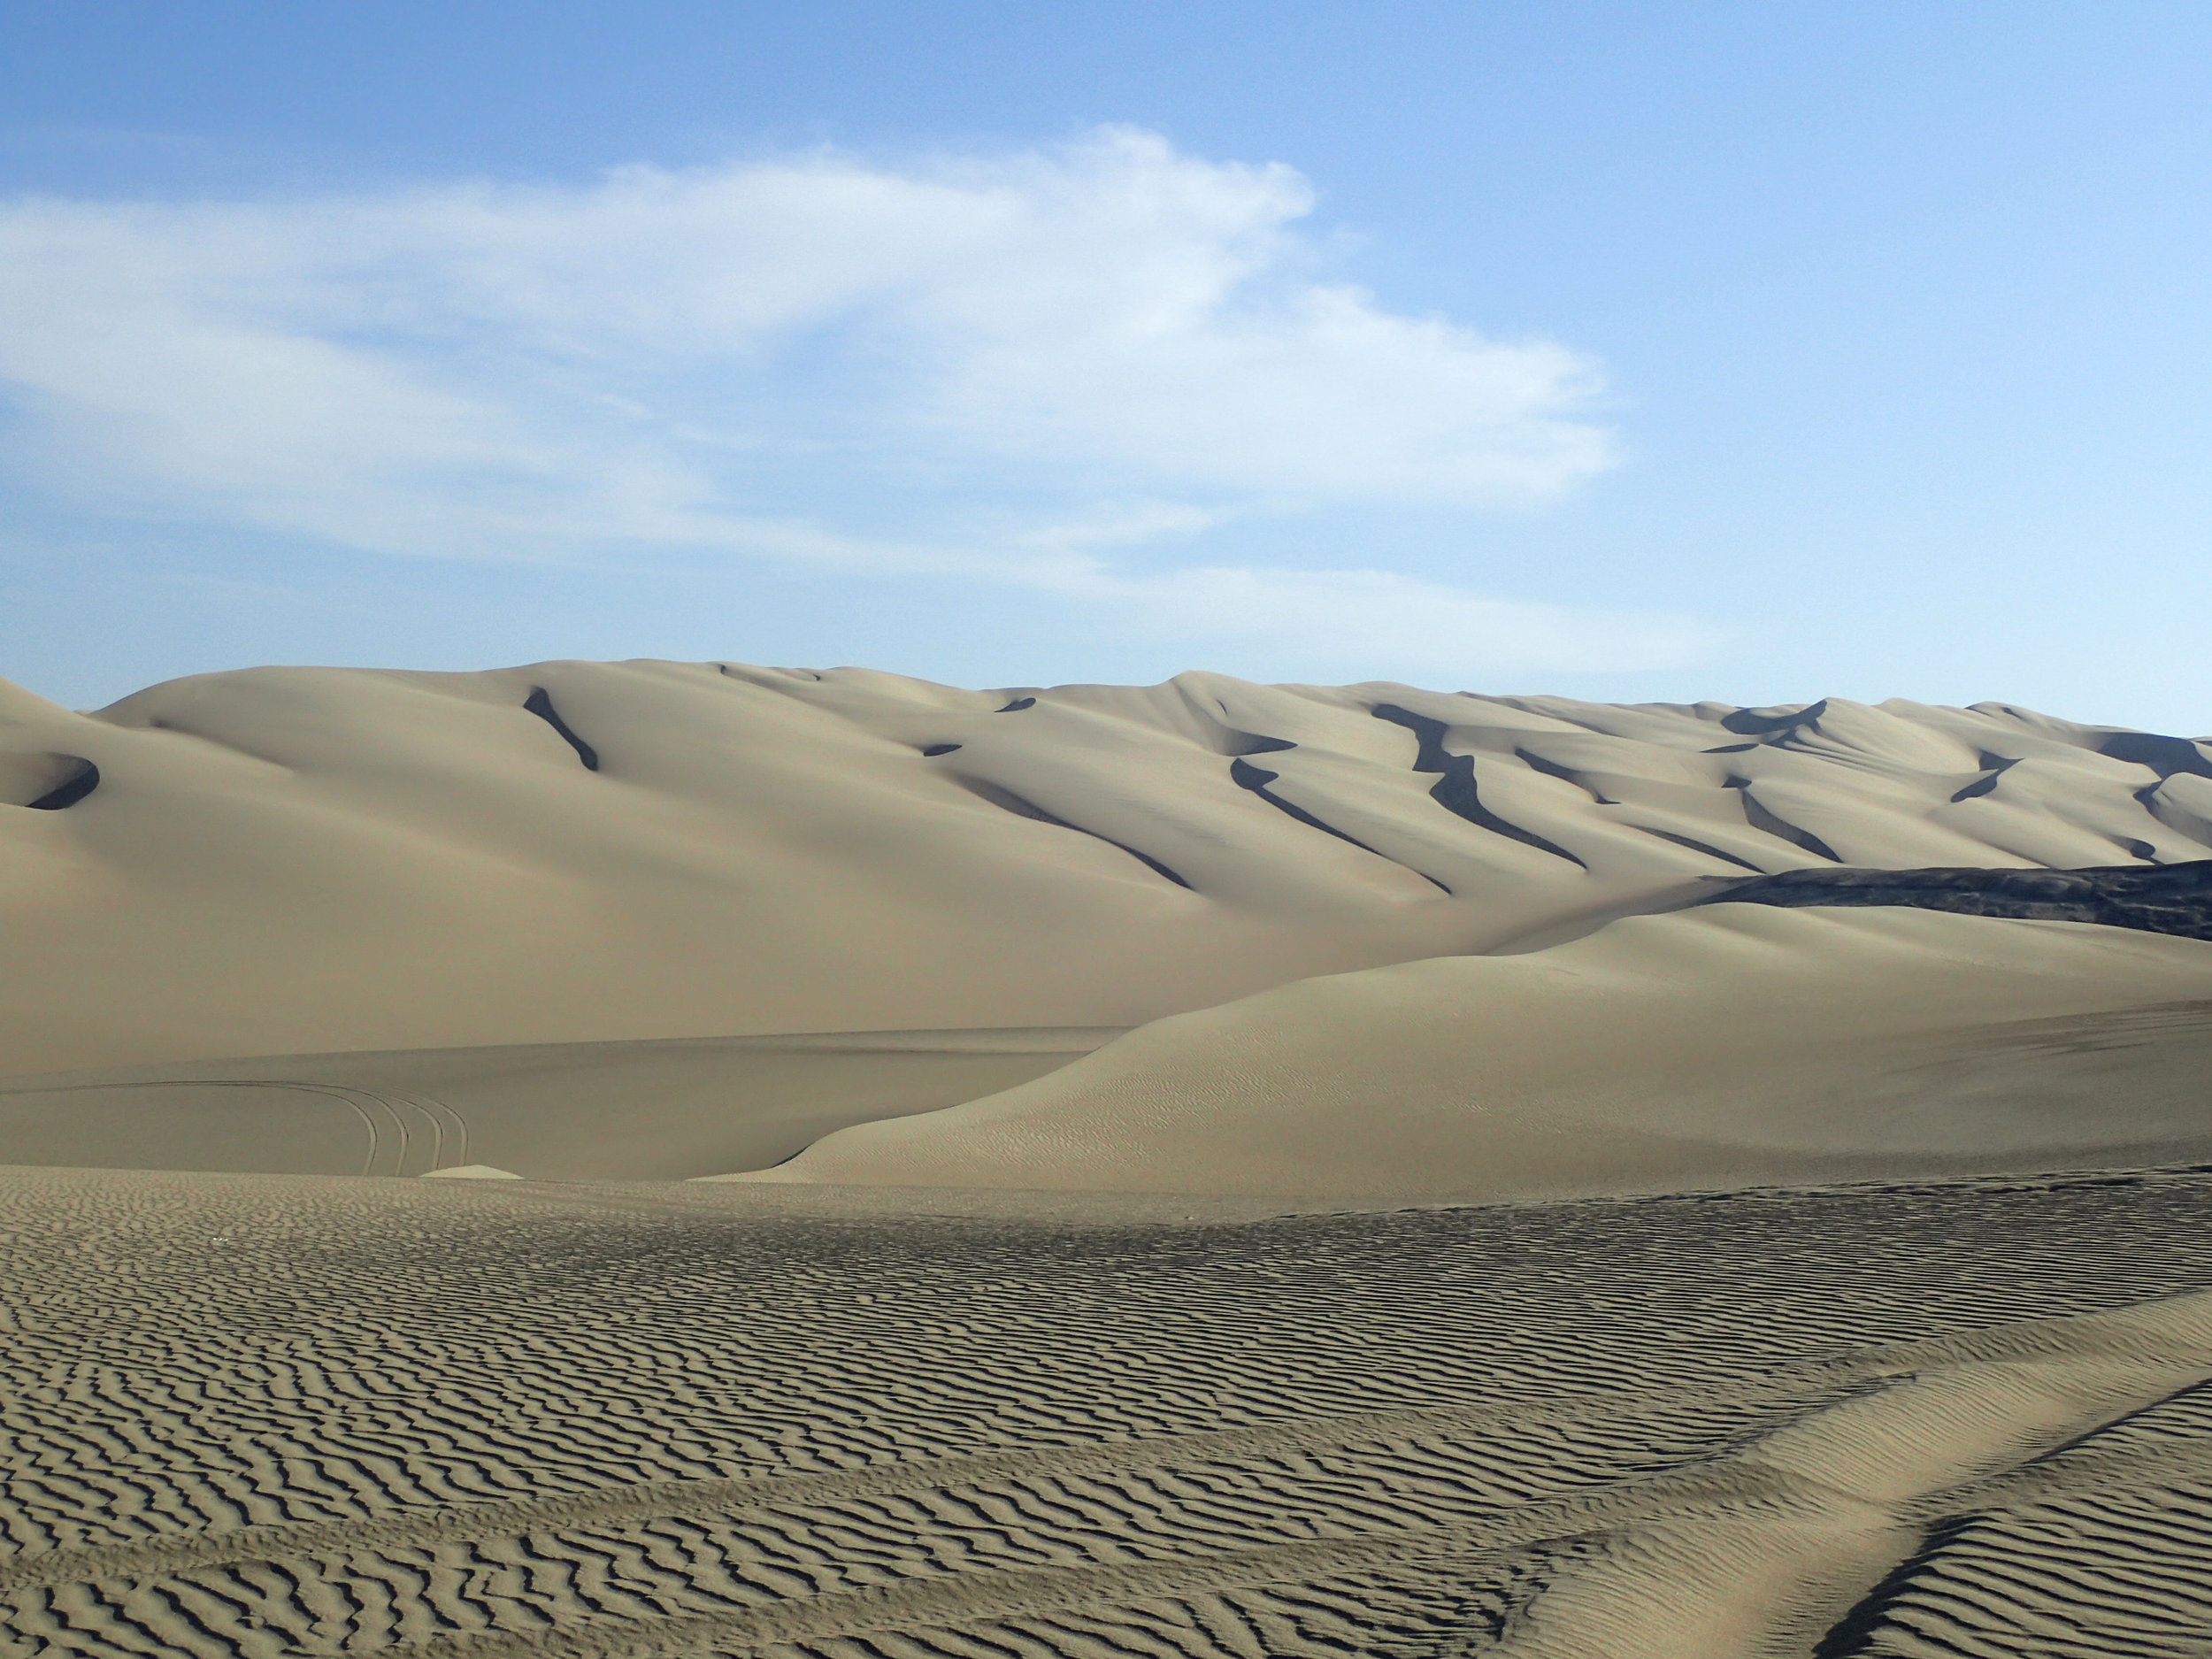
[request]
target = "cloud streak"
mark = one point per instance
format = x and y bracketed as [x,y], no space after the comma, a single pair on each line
[1090,348]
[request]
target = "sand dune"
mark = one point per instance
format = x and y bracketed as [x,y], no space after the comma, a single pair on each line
[1729,1045]
[287,861]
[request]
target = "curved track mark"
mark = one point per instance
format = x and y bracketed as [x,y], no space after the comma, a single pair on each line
[330,1091]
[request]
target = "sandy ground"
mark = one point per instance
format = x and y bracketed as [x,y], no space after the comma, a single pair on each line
[1727,1046]
[267,1415]
[646,1111]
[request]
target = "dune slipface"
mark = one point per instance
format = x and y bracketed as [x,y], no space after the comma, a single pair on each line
[287,861]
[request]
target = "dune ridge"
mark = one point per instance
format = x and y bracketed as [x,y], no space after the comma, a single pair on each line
[283,861]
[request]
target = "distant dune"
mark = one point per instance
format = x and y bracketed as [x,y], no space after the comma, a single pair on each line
[288,861]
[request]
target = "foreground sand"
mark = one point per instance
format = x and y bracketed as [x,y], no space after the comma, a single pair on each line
[261,1415]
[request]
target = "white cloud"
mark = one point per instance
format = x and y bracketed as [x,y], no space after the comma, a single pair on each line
[1351,617]
[714,358]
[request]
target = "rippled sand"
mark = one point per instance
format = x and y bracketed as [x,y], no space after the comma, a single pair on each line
[268,1414]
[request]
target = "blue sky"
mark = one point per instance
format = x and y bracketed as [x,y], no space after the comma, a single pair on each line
[1629,351]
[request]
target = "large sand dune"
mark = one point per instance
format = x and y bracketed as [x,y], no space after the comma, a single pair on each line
[287,861]
[1723,1046]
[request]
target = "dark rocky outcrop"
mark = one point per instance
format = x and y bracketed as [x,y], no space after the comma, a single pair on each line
[2163,899]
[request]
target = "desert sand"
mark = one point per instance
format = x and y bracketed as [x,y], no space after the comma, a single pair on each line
[278,1414]
[1727,1046]
[645,1110]
[1206,1169]
[293,861]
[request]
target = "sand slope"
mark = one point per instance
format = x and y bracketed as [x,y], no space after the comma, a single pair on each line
[261,1415]
[284,861]
[1723,1046]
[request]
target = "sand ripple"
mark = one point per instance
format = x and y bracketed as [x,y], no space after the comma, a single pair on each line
[272,1416]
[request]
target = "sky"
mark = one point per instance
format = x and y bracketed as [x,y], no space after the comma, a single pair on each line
[1757,352]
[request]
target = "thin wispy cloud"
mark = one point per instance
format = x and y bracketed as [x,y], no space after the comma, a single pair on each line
[1090,350]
